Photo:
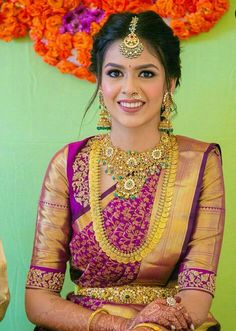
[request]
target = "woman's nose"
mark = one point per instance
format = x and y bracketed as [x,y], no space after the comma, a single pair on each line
[129,86]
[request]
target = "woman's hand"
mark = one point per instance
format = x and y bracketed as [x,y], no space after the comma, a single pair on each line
[172,317]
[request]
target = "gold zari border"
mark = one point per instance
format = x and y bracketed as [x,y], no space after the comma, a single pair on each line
[127,294]
[160,211]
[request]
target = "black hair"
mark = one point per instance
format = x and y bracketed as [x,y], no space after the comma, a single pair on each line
[152,29]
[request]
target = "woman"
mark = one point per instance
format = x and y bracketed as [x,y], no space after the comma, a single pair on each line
[139,212]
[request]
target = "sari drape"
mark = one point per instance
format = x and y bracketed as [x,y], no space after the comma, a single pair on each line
[187,253]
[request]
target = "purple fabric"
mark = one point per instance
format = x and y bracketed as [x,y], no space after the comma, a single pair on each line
[73,149]
[47,269]
[126,223]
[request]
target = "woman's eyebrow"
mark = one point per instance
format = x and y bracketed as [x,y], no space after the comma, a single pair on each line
[141,66]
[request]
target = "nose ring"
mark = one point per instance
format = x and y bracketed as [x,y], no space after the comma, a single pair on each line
[136,95]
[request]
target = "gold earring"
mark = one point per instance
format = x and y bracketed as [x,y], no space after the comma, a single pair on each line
[104,121]
[168,106]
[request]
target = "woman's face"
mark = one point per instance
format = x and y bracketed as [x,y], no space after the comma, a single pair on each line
[121,77]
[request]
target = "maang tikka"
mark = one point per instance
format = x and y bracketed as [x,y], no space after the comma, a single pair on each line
[104,121]
[131,46]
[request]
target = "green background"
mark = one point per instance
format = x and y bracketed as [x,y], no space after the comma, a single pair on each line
[41,110]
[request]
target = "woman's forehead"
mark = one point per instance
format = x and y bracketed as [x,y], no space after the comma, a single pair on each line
[114,55]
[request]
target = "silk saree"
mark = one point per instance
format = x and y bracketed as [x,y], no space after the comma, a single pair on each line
[186,253]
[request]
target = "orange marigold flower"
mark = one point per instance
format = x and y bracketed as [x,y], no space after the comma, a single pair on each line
[51,36]
[37,28]
[94,28]
[138,6]
[84,57]
[83,73]
[64,45]
[71,4]
[81,40]
[50,60]
[66,67]
[35,10]
[93,3]
[20,30]
[24,3]
[40,48]
[24,17]
[53,23]
[180,29]
[8,9]
[55,3]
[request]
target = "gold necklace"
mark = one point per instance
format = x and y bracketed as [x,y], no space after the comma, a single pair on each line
[160,210]
[130,169]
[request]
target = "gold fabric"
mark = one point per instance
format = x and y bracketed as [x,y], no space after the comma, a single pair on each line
[204,246]
[53,230]
[52,234]
[4,290]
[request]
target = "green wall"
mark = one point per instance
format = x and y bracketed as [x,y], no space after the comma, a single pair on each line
[41,110]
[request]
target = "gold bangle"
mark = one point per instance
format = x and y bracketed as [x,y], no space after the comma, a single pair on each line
[151,326]
[91,317]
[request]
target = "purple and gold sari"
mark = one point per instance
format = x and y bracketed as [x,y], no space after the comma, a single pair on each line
[187,254]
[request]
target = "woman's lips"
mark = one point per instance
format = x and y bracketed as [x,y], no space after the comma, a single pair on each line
[131,106]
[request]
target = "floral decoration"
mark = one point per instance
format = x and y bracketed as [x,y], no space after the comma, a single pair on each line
[63,30]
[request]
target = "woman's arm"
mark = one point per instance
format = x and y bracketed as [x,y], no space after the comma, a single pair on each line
[49,310]
[197,303]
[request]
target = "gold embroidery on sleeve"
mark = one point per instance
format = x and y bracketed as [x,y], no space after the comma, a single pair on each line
[45,279]
[197,279]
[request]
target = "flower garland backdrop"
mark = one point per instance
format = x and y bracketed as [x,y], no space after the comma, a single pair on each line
[63,30]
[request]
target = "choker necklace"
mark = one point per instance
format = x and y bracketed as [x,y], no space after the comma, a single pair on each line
[131,168]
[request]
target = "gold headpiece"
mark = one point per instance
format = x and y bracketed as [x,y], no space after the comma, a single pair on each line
[131,46]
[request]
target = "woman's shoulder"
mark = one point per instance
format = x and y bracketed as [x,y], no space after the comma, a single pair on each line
[191,144]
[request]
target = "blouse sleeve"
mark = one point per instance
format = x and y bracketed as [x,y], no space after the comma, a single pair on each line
[52,234]
[199,266]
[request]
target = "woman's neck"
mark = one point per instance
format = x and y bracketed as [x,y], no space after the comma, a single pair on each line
[135,139]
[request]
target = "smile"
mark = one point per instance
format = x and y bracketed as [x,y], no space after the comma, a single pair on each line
[131,104]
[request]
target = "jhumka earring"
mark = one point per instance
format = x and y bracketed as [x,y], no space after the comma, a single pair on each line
[131,46]
[168,107]
[104,121]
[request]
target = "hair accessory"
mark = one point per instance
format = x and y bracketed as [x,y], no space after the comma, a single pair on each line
[131,46]
[91,317]
[104,121]
[168,107]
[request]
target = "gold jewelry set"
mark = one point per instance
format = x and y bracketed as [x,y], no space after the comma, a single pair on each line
[131,47]
[160,211]
[131,169]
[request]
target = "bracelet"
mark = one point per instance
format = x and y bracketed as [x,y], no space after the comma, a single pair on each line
[91,317]
[151,326]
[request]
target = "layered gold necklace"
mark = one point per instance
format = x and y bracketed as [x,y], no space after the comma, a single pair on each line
[160,211]
[131,168]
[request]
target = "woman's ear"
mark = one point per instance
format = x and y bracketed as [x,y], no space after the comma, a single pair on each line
[173,84]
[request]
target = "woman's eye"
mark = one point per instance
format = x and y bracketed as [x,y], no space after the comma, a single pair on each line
[114,73]
[146,74]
